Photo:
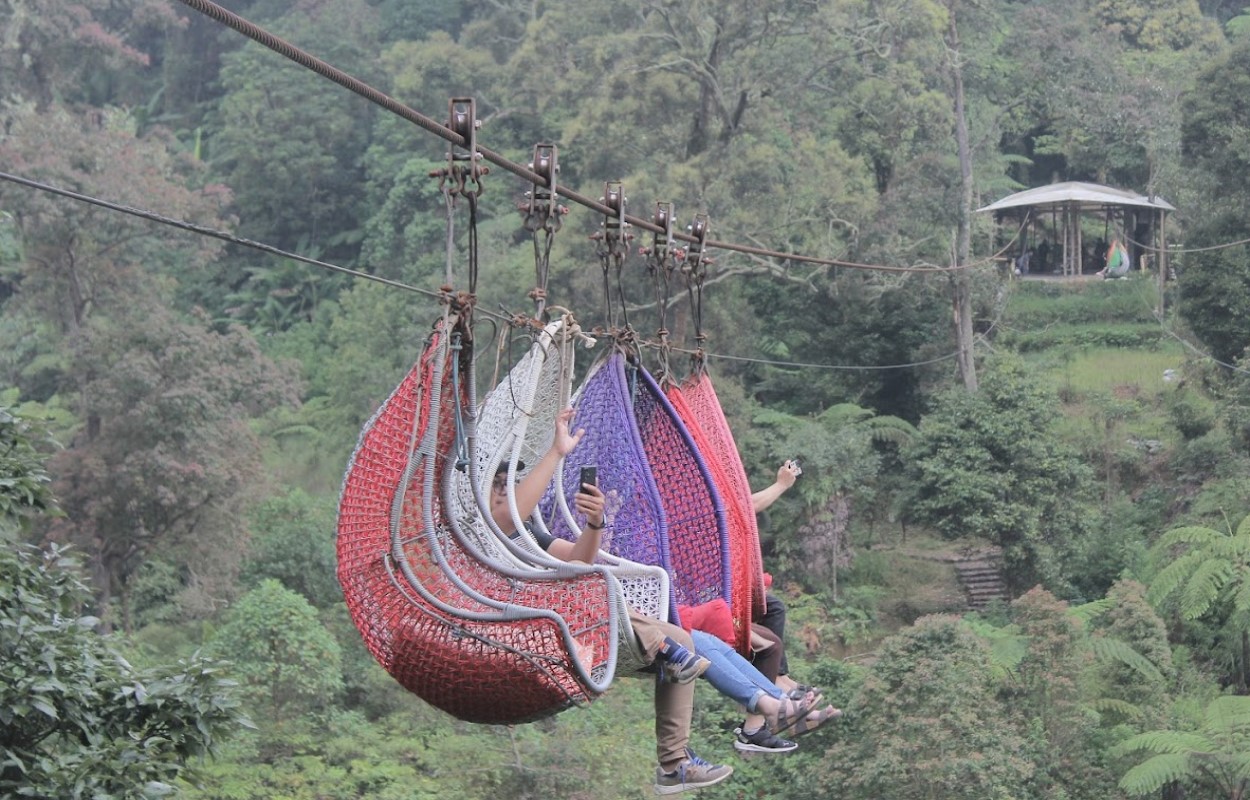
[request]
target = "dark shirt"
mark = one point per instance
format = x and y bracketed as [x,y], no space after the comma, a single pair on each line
[543,538]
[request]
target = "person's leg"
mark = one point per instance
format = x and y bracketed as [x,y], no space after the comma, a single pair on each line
[731,674]
[678,661]
[768,661]
[680,769]
[674,705]
[775,620]
[674,702]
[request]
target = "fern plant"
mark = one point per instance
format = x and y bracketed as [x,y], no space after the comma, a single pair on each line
[1216,756]
[1209,578]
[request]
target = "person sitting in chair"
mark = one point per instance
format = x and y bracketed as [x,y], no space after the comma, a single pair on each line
[667,646]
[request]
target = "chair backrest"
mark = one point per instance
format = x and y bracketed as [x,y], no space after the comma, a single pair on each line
[516,422]
[698,538]
[663,506]
[744,561]
[611,442]
[699,396]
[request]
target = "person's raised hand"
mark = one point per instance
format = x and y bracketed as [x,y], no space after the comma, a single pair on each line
[565,441]
[788,473]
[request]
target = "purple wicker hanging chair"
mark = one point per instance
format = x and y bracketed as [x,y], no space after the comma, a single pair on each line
[663,505]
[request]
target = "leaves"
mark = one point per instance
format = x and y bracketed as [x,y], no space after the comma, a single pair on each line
[1212,756]
[78,719]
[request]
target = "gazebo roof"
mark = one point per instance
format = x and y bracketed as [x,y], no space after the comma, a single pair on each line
[1087,197]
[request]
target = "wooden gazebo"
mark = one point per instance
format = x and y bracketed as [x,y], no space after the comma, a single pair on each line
[1057,210]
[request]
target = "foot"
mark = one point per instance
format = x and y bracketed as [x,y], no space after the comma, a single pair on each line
[807,694]
[812,721]
[788,712]
[693,773]
[762,741]
[685,669]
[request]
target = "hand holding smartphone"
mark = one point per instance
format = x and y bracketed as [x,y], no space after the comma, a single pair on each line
[590,475]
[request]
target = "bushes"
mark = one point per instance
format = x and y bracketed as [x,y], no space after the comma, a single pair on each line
[1122,334]
[77,720]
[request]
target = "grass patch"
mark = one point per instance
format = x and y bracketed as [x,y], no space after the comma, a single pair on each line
[1138,373]
[1035,304]
[1073,335]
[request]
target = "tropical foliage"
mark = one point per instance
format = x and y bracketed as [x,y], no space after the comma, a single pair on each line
[176,409]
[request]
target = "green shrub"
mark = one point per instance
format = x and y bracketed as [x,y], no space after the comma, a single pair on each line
[1110,334]
[1191,414]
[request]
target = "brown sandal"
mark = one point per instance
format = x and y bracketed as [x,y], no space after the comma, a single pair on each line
[810,722]
[788,714]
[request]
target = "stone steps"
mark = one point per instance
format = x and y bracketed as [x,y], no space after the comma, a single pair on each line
[981,575]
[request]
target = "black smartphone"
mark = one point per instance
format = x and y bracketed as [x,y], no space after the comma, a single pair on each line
[590,474]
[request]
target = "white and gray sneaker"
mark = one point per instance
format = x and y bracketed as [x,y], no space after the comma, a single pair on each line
[762,741]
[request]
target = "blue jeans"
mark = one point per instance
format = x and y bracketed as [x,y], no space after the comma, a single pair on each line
[731,674]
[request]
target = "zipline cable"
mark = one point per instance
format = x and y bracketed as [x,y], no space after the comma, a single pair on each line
[275,251]
[290,51]
[1171,251]
[1188,345]
[979,339]
[215,234]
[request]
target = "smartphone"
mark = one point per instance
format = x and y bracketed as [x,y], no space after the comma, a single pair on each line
[590,474]
[798,470]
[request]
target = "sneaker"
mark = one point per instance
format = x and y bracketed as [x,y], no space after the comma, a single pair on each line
[694,773]
[762,741]
[684,670]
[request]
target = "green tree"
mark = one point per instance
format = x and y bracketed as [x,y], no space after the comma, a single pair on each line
[1215,287]
[1046,697]
[167,460]
[1132,620]
[77,260]
[930,724]
[290,145]
[1157,24]
[292,542]
[284,657]
[77,720]
[1212,757]
[25,486]
[59,49]
[838,451]
[1207,574]
[990,465]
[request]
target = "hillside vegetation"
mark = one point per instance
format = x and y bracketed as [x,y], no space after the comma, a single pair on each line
[177,409]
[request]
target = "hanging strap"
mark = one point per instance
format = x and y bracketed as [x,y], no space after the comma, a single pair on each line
[694,267]
[543,217]
[612,246]
[660,265]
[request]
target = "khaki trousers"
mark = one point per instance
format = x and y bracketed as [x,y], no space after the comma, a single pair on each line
[674,702]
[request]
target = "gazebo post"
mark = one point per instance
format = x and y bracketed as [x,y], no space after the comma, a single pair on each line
[1078,265]
[1161,263]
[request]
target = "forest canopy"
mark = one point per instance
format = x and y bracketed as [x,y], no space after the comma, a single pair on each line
[176,409]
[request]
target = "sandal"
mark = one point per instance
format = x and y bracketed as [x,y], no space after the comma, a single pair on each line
[810,722]
[811,694]
[788,714]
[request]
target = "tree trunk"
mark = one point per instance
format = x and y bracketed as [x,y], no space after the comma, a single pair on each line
[961,285]
[1245,660]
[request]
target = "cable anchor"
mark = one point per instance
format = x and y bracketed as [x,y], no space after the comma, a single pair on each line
[464,165]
